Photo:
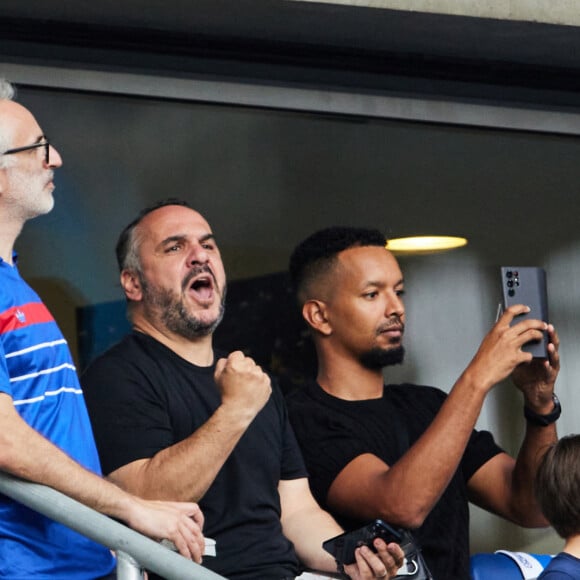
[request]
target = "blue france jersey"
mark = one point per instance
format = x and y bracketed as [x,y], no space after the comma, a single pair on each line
[37,371]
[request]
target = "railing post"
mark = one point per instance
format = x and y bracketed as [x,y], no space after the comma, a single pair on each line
[128,568]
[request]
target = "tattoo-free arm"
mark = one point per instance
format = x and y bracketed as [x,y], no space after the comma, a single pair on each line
[306,525]
[28,455]
[405,493]
[184,471]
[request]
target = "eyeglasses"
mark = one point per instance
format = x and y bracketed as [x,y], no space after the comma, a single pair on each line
[45,143]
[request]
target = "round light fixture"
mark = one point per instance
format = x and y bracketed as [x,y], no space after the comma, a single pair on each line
[424,244]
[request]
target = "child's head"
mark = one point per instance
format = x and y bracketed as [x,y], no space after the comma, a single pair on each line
[557,486]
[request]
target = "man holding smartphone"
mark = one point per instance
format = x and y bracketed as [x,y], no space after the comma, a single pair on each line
[406,453]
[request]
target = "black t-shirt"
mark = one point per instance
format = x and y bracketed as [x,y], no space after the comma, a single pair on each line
[332,432]
[142,398]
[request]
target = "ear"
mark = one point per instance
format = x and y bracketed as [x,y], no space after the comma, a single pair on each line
[315,314]
[131,285]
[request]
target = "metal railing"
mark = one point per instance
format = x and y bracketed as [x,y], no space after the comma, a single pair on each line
[134,551]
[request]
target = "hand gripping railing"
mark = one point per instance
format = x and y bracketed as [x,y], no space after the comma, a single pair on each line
[134,551]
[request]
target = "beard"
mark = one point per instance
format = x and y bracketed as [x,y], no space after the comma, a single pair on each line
[27,196]
[170,310]
[377,358]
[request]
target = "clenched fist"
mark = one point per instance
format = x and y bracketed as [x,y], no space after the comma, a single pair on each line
[244,386]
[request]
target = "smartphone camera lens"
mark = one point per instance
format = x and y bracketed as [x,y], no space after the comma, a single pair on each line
[510,283]
[511,292]
[509,274]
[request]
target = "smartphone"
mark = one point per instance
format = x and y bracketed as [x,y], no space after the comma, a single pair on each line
[527,285]
[342,547]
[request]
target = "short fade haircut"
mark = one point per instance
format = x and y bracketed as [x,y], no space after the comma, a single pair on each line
[7,93]
[127,248]
[318,253]
[557,483]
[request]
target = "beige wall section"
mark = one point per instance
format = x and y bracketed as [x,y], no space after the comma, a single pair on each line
[553,12]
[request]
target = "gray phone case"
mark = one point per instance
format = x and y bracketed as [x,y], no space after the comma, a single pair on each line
[527,285]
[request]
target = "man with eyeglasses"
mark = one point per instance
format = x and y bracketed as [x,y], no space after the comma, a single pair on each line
[45,433]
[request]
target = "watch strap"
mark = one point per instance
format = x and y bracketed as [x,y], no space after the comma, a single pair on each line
[544,420]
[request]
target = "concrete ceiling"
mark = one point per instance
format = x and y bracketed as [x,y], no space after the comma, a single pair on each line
[324,44]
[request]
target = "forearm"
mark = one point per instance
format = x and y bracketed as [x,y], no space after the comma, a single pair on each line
[536,381]
[424,472]
[439,450]
[525,509]
[306,525]
[185,471]
[25,453]
[405,492]
[307,535]
[28,455]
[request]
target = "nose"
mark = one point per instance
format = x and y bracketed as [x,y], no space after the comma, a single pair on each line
[395,306]
[199,255]
[54,158]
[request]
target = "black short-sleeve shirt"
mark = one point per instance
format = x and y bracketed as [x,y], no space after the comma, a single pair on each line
[143,398]
[332,432]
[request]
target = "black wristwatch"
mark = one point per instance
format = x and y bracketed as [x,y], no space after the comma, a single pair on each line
[544,420]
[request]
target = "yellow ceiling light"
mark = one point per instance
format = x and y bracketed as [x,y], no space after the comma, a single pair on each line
[424,244]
